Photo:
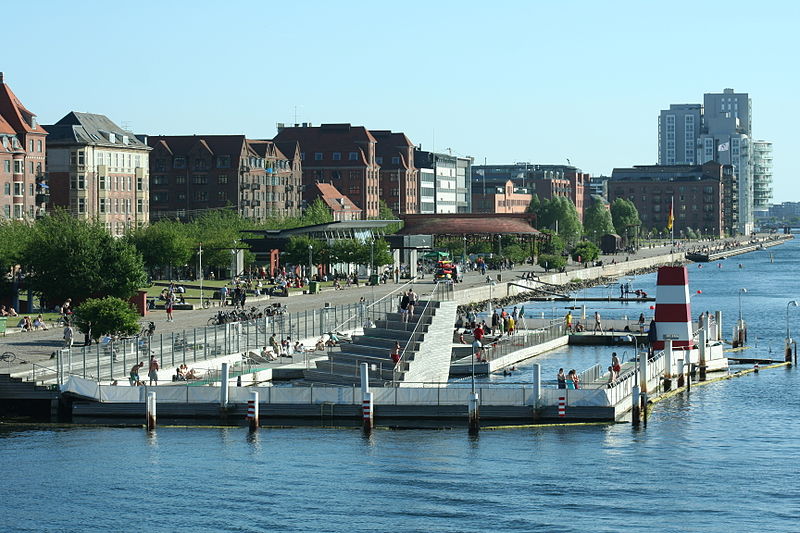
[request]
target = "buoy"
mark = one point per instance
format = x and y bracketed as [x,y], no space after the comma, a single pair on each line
[755,368]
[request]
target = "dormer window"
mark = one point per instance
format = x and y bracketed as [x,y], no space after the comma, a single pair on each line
[124,139]
[112,138]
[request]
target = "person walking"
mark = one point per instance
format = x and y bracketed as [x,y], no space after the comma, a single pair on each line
[597,323]
[568,321]
[69,336]
[615,365]
[561,379]
[169,305]
[223,296]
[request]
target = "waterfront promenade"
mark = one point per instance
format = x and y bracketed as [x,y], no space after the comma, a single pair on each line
[36,347]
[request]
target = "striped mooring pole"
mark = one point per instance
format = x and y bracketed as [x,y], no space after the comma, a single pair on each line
[474,413]
[367,414]
[151,411]
[562,406]
[252,410]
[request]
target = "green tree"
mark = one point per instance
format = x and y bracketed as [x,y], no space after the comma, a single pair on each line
[597,221]
[552,262]
[559,212]
[345,251]
[297,250]
[624,215]
[515,252]
[317,212]
[553,246]
[107,316]
[163,244]
[72,258]
[385,213]
[586,251]
[220,231]
[535,206]
[13,236]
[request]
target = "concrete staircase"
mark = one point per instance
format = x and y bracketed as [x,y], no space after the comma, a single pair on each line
[375,346]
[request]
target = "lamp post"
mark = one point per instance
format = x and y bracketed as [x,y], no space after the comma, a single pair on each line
[743,290]
[310,262]
[464,259]
[787,352]
[200,271]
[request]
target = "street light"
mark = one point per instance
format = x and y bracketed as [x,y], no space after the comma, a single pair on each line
[310,262]
[788,304]
[464,259]
[635,388]
[740,302]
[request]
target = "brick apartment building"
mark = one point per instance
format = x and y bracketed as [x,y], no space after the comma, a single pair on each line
[697,193]
[399,177]
[342,208]
[190,174]
[500,197]
[23,187]
[282,176]
[339,154]
[99,171]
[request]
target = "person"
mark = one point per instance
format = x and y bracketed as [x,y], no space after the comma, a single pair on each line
[268,355]
[512,325]
[611,376]
[168,305]
[615,364]
[133,378]
[87,335]
[12,312]
[66,309]
[368,323]
[641,322]
[69,335]
[27,325]
[575,379]
[395,355]
[153,370]
[405,300]
[223,295]
[179,374]
[38,322]
[568,321]
[412,301]
[597,323]
[561,379]
[273,343]
[3,311]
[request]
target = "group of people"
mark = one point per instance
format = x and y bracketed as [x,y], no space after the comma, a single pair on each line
[182,373]
[408,302]
[282,348]
[152,373]
[571,380]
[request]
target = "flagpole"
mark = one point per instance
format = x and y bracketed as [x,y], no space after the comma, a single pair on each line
[672,222]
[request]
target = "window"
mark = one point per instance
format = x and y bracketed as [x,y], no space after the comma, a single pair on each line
[19,188]
[222,178]
[81,205]
[161,180]
[7,166]
[81,157]
[7,189]
[317,156]
[379,160]
[139,184]
[396,160]
[31,145]
[161,165]
[7,211]
[102,206]
[200,180]
[138,160]
[30,190]
[116,205]
[19,166]
[180,180]
[179,162]
[140,206]
[337,156]
[182,196]
[353,156]
[201,196]
[222,196]
[199,164]
[223,161]
[302,156]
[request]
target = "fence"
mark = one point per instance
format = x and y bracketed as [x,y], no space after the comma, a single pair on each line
[110,360]
[522,339]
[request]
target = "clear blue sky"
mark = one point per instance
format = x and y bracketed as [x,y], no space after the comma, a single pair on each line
[504,81]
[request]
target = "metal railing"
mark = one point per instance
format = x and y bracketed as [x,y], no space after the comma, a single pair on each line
[590,375]
[522,339]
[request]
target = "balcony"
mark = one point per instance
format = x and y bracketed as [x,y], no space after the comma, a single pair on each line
[245,186]
[42,198]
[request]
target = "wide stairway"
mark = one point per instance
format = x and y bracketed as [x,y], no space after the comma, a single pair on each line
[424,339]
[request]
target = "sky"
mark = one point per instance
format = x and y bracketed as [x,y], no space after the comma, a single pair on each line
[504,81]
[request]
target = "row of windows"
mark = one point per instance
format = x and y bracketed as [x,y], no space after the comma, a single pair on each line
[19,211]
[335,156]
[107,183]
[110,159]
[19,189]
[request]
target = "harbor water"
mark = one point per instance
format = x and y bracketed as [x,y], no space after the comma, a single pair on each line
[722,456]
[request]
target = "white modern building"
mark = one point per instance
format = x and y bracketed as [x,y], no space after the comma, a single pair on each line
[762,178]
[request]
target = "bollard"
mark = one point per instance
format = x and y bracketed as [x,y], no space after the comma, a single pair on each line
[252,410]
[223,390]
[755,368]
[679,366]
[718,318]
[643,377]
[562,406]
[635,405]
[151,411]
[367,414]
[787,351]
[537,384]
[474,414]
[667,365]
[701,350]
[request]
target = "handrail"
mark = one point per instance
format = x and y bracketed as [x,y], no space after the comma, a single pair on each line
[415,333]
[402,287]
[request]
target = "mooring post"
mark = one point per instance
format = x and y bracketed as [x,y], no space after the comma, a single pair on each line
[366,399]
[679,367]
[252,410]
[223,389]
[643,378]
[701,350]
[688,363]
[718,317]
[151,411]
[635,412]
[537,384]
[474,415]
[667,365]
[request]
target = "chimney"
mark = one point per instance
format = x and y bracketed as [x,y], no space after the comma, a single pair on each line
[1,77]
